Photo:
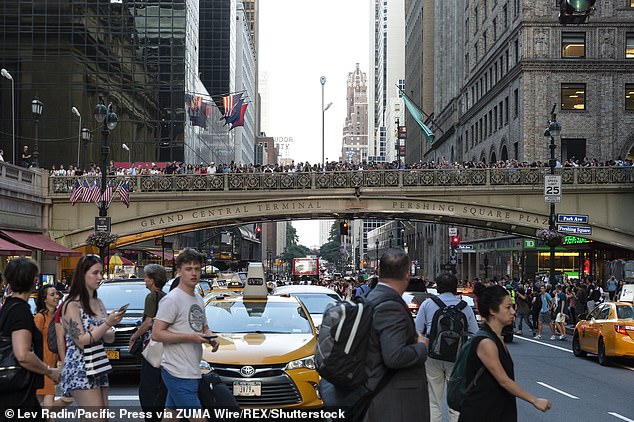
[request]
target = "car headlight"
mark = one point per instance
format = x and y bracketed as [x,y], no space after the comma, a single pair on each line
[307,362]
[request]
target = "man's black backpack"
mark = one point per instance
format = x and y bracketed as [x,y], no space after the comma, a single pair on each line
[448,330]
[342,343]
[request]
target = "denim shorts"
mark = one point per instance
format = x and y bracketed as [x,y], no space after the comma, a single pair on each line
[182,393]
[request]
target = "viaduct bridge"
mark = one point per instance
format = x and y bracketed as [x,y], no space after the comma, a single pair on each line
[507,200]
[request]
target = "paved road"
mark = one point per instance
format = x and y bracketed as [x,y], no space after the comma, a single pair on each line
[579,388]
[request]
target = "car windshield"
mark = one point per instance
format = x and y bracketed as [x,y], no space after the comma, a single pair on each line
[316,302]
[257,317]
[118,294]
[624,312]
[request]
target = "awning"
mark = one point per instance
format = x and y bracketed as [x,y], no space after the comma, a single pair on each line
[7,248]
[38,241]
[159,254]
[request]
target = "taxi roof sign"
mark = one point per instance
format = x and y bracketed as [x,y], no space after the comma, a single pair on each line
[255,287]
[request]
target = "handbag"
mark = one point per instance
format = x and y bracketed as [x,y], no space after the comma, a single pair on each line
[153,353]
[12,376]
[95,359]
[137,346]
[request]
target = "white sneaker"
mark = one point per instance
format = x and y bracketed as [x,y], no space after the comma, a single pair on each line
[537,337]
[562,337]
[553,337]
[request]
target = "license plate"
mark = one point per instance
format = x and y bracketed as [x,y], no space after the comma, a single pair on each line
[112,354]
[247,388]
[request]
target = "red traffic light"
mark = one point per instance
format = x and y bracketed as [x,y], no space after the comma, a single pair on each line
[258,231]
[455,241]
[343,228]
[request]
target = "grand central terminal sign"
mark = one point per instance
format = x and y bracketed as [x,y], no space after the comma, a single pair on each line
[282,209]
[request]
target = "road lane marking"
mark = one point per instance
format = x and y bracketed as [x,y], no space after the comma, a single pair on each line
[544,344]
[543,384]
[616,415]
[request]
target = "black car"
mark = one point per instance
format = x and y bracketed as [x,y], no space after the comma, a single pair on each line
[114,294]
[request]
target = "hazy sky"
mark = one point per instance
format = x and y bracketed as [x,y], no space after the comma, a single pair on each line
[300,41]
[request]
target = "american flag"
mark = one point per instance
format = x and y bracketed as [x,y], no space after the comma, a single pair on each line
[230,102]
[76,193]
[95,193]
[85,195]
[106,196]
[124,193]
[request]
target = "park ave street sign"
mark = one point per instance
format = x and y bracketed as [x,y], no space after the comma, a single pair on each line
[572,219]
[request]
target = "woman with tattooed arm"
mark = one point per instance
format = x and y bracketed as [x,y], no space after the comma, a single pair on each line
[85,324]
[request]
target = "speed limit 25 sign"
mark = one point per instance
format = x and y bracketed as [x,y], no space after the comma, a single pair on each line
[552,188]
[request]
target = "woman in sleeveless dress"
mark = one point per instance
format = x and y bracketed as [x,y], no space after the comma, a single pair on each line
[46,304]
[85,322]
[493,397]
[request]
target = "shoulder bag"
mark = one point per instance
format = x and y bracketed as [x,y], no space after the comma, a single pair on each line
[96,360]
[153,353]
[12,376]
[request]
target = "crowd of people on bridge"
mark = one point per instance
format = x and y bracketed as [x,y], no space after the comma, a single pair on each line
[176,167]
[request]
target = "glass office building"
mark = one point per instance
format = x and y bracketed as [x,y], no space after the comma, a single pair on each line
[69,53]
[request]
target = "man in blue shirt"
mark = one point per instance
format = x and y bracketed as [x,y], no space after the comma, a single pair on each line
[544,314]
[438,371]
[612,285]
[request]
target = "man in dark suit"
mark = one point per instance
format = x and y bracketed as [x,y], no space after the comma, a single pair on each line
[396,346]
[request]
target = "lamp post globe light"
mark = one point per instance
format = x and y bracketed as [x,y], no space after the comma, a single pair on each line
[109,118]
[322,80]
[76,113]
[37,107]
[85,138]
[5,74]
[127,148]
[552,131]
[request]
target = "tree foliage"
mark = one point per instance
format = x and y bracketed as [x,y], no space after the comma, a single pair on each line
[330,250]
[291,236]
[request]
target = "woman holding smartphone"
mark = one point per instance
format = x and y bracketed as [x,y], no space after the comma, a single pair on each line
[86,323]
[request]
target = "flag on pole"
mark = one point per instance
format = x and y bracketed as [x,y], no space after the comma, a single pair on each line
[95,193]
[76,193]
[240,120]
[235,113]
[106,196]
[229,102]
[85,195]
[124,193]
[417,115]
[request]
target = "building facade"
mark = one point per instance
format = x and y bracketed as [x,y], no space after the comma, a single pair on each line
[499,68]
[355,130]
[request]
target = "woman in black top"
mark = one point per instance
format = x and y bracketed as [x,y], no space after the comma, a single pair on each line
[493,398]
[26,339]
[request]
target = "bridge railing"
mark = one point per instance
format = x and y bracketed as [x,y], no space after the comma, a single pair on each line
[17,177]
[352,179]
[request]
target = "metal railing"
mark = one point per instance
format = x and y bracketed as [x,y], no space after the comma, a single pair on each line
[490,177]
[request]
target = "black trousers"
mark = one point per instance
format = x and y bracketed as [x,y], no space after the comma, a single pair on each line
[151,390]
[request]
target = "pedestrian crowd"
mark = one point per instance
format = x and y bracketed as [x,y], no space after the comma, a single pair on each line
[175,167]
[412,366]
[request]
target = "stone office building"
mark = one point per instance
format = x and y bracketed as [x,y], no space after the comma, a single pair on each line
[497,69]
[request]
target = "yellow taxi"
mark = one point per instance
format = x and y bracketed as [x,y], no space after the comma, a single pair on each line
[607,331]
[267,346]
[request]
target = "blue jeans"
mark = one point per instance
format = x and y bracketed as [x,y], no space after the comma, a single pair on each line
[519,319]
[182,393]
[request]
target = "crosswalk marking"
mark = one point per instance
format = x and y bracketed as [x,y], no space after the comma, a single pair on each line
[558,390]
[616,415]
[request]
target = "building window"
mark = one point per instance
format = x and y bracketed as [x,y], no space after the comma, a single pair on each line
[629,96]
[505,13]
[629,45]
[516,103]
[573,149]
[495,29]
[573,96]
[573,44]
[506,111]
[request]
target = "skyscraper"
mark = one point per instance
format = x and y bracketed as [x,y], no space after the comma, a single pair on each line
[355,130]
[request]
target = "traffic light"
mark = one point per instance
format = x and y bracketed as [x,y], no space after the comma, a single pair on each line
[258,231]
[455,242]
[575,11]
[343,228]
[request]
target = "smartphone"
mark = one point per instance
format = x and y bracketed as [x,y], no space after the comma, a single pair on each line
[123,308]
[213,336]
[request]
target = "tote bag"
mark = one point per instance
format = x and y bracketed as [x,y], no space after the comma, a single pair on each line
[95,359]
[153,353]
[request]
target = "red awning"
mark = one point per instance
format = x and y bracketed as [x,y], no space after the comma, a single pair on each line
[39,241]
[7,248]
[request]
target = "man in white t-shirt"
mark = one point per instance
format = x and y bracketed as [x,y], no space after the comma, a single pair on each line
[181,325]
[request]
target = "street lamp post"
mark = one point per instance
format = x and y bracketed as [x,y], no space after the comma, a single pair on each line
[7,75]
[36,107]
[376,250]
[323,116]
[553,131]
[85,137]
[76,113]
[127,148]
